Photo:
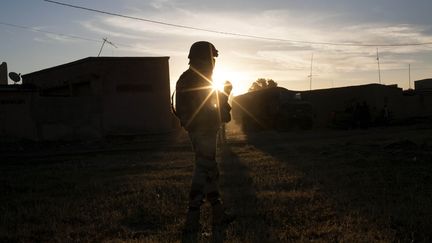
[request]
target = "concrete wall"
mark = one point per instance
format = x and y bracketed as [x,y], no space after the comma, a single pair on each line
[16,115]
[68,118]
[137,101]
[133,93]
[26,115]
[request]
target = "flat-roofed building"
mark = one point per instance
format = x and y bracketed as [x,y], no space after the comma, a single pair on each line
[424,85]
[98,96]
[379,99]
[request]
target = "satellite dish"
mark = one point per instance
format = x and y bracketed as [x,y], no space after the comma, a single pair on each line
[16,77]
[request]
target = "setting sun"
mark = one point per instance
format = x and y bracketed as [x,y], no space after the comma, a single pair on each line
[218,84]
[240,80]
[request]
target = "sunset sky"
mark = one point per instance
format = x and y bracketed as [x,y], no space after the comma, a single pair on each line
[30,40]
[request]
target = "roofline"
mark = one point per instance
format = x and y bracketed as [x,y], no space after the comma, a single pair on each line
[326,89]
[92,59]
[423,80]
[355,86]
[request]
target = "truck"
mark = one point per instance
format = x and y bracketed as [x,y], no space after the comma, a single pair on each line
[273,108]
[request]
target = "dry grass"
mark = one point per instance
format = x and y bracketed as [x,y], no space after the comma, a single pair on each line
[346,186]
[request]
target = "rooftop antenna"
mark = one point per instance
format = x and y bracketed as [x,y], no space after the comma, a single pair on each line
[105,40]
[409,76]
[310,75]
[379,69]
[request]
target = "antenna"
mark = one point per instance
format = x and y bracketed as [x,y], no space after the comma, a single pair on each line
[105,40]
[409,76]
[310,75]
[379,69]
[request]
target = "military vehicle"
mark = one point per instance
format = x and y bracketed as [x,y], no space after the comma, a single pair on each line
[272,108]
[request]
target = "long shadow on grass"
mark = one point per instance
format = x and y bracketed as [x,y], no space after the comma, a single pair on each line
[240,195]
[373,191]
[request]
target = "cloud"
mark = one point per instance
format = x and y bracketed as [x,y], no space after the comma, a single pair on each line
[152,51]
[281,60]
[44,34]
[284,24]
[100,27]
[161,4]
[54,38]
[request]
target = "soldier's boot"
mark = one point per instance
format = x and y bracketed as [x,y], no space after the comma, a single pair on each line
[221,220]
[192,227]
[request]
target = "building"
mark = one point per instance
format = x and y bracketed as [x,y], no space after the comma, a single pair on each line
[423,86]
[98,96]
[16,116]
[271,108]
[352,106]
[379,99]
[423,89]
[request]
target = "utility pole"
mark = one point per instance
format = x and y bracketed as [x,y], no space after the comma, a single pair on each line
[310,75]
[379,69]
[409,76]
[105,40]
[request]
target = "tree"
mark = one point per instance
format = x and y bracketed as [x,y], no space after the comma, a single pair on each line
[262,83]
[271,83]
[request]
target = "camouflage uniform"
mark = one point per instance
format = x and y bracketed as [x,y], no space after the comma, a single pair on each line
[198,111]
[202,124]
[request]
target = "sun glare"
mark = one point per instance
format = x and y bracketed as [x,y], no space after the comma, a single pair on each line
[218,85]
[239,80]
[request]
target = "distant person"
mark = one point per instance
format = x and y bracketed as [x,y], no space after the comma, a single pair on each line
[197,109]
[225,110]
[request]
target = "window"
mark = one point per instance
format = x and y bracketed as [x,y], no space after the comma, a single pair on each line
[134,88]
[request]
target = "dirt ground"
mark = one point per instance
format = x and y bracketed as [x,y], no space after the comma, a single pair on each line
[371,185]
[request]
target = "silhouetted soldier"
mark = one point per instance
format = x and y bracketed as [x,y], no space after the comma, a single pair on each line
[225,110]
[197,109]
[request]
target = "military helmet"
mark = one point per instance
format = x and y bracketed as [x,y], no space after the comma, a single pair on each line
[202,50]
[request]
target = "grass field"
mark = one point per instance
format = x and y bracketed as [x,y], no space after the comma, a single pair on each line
[329,186]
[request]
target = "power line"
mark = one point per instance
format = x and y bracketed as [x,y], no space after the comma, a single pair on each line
[237,34]
[125,45]
[58,34]
[49,32]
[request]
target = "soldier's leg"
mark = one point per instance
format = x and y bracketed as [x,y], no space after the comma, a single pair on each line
[204,145]
[221,135]
[214,198]
[220,217]
[205,171]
